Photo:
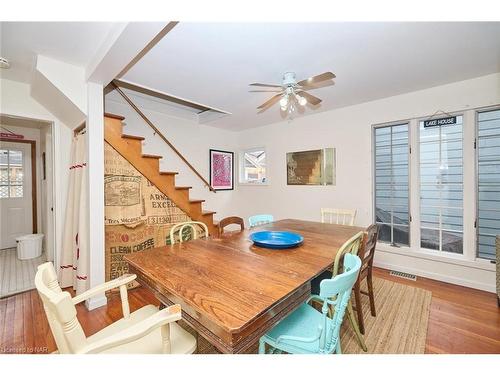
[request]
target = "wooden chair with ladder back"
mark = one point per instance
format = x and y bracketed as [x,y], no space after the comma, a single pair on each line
[366,253]
[230,221]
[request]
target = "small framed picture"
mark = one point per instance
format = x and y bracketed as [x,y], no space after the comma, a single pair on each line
[221,170]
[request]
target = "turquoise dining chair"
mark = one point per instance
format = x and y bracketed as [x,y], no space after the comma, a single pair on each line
[308,331]
[260,219]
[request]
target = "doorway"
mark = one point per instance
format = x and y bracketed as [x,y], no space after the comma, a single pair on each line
[26,200]
[18,196]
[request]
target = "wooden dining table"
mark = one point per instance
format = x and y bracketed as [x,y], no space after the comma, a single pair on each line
[231,291]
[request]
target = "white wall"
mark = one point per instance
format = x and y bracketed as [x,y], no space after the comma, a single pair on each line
[349,131]
[193,141]
[17,101]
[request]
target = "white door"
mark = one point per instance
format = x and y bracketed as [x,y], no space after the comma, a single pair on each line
[16,199]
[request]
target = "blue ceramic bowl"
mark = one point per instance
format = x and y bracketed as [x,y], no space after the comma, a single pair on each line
[276,239]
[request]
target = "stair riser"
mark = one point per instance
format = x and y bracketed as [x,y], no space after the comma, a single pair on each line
[168,180]
[115,125]
[184,193]
[134,145]
[154,163]
[196,208]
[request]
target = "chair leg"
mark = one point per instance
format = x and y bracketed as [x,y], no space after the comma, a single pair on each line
[369,281]
[354,325]
[338,350]
[262,347]
[165,335]
[359,308]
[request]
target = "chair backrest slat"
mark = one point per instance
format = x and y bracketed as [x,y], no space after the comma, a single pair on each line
[338,216]
[367,250]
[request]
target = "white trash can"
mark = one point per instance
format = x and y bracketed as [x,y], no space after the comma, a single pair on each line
[29,246]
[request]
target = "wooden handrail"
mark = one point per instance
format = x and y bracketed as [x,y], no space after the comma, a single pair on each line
[157,131]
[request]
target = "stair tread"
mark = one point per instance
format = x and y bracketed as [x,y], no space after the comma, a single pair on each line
[196,200]
[152,156]
[111,115]
[183,187]
[129,136]
[168,173]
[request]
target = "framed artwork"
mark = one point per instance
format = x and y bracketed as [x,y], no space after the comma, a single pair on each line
[221,170]
[314,167]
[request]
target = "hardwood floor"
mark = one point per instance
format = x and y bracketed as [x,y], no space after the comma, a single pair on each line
[462,320]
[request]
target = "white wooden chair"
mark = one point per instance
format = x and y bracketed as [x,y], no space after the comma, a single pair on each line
[338,216]
[146,330]
[193,225]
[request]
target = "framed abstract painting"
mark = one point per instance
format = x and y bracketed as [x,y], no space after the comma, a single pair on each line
[221,170]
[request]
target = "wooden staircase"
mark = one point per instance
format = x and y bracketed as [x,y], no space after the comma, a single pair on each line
[130,147]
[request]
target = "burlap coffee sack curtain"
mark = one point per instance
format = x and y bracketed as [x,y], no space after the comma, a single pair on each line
[137,215]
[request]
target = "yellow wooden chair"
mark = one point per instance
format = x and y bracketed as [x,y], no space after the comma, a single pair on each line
[178,229]
[338,216]
[146,330]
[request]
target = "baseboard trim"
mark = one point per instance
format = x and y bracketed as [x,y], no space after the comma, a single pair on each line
[96,301]
[436,276]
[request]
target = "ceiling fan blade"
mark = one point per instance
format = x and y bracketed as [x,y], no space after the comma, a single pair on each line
[317,86]
[316,79]
[264,85]
[270,102]
[311,99]
[270,91]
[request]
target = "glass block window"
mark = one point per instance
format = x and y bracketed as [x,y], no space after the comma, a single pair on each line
[441,187]
[11,174]
[392,183]
[488,183]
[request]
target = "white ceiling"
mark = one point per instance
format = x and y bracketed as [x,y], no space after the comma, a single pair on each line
[72,42]
[213,63]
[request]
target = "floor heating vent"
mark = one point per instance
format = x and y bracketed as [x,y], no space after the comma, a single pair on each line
[403,275]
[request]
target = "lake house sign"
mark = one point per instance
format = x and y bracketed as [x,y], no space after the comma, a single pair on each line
[440,121]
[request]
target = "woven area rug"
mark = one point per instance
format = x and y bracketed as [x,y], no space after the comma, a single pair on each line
[400,326]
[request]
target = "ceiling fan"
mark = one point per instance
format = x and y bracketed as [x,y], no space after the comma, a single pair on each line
[292,92]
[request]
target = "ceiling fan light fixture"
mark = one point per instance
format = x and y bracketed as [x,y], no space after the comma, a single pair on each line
[284,101]
[293,94]
[302,101]
[4,63]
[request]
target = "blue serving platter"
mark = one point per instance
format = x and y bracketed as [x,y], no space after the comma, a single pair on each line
[276,239]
